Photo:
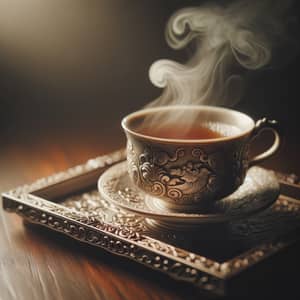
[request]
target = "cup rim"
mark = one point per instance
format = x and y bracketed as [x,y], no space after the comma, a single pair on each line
[141,112]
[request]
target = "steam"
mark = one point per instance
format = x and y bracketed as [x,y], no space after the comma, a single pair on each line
[228,40]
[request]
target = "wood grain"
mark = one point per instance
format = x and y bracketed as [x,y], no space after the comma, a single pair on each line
[36,263]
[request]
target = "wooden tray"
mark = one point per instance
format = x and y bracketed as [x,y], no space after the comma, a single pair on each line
[209,257]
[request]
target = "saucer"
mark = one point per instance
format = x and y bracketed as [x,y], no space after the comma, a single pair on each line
[259,190]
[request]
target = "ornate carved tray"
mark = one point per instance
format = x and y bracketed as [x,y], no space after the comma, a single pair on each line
[208,257]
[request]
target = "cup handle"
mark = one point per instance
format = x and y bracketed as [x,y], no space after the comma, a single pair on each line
[261,125]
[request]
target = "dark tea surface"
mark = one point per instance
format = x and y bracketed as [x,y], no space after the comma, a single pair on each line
[180,131]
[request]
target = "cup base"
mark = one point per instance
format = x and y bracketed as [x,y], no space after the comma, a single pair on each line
[169,226]
[164,206]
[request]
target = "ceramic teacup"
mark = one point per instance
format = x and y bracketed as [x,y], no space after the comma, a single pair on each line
[187,174]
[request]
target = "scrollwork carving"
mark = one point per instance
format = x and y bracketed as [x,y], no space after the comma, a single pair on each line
[178,175]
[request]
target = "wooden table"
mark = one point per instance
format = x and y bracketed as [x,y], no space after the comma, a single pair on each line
[38,264]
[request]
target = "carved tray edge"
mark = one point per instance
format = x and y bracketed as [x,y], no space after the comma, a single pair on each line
[112,240]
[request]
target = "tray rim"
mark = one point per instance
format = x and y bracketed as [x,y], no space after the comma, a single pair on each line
[178,263]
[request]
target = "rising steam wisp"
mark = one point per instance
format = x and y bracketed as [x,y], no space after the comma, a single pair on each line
[229,40]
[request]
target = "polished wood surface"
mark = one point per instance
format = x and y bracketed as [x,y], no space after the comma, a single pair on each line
[36,263]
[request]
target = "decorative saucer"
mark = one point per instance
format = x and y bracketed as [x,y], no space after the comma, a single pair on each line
[259,190]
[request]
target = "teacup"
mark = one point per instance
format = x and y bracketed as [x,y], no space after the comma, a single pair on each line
[187,174]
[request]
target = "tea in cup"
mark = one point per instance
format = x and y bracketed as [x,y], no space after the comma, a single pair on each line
[187,165]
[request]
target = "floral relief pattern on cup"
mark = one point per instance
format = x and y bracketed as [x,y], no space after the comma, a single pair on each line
[175,176]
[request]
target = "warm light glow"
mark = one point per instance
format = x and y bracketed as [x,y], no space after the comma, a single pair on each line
[54,35]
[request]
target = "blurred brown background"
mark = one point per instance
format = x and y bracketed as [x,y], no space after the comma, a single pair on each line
[74,68]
